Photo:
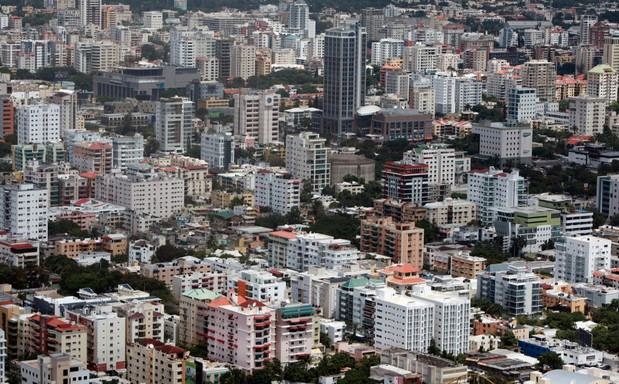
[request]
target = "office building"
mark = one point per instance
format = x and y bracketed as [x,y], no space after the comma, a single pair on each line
[403,242]
[587,114]
[409,124]
[256,116]
[344,77]
[38,124]
[173,124]
[521,104]
[578,257]
[493,189]
[603,81]
[278,191]
[307,159]
[536,226]
[506,141]
[512,287]
[217,149]
[24,211]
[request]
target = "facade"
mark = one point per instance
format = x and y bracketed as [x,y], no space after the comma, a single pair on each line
[441,162]
[512,287]
[603,82]
[386,49]
[143,320]
[521,104]
[38,124]
[307,159]
[256,115]
[493,189]
[217,149]
[406,182]
[173,125]
[577,258]
[93,157]
[393,124]
[451,211]
[403,242]
[611,51]
[90,12]
[127,150]
[24,211]
[102,56]
[57,368]
[535,225]
[344,73]
[154,362]
[243,61]
[294,332]
[278,191]
[507,141]
[607,195]
[587,114]
[541,75]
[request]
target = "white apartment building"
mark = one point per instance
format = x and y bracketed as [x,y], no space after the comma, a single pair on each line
[277,190]
[106,335]
[153,20]
[455,94]
[397,83]
[447,62]
[516,289]
[256,115]
[173,124]
[140,251]
[3,356]
[451,211]
[420,58]
[578,257]
[318,287]
[98,56]
[314,249]
[587,114]
[505,140]
[259,285]
[208,67]
[577,223]
[38,123]
[127,150]
[182,49]
[24,212]
[386,49]
[603,81]
[243,61]
[521,104]
[53,369]
[440,159]
[156,195]
[143,320]
[217,149]
[213,281]
[492,188]
[306,159]
[611,50]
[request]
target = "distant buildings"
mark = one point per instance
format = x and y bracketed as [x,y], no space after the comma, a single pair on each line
[307,159]
[491,189]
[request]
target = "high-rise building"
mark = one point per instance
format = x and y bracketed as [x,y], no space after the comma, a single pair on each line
[242,61]
[586,22]
[441,161]
[492,188]
[217,149]
[507,141]
[93,157]
[127,150]
[90,12]
[513,287]
[173,124]
[578,257]
[405,182]
[154,362]
[278,191]
[587,114]
[24,211]
[455,94]
[607,195]
[373,19]
[521,104]
[403,242]
[603,81]
[611,51]
[298,17]
[153,20]
[67,100]
[420,58]
[306,159]
[182,49]
[7,116]
[38,124]
[541,75]
[102,56]
[256,115]
[386,49]
[344,77]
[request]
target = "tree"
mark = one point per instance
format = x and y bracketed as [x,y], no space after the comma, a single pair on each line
[549,360]
[509,340]
[306,192]
[430,231]
[168,252]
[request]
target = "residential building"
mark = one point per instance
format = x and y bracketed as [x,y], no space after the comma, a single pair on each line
[607,195]
[611,51]
[405,182]
[164,272]
[521,104]
[212,281]
[386,49]
[467,266]
[57,368]
[18,253]
[401,212]
[493,189]
[536,226]
[100,56]
[403,242]
[143,319]
[256,116]
[260,286]
[420,58]
[307,159]
[90,12]
[173,124]
[441,160]
[344,77]
[587,114]
[507,141]
[294,338]
[576,223]
[38,123]
[512,287]
[127,150]
[541,75]
[451,211]
[603,82]
[93,157]
[24,211]
[217,149]
[154,362]
[314,249]
[243,61]
[577,258]
[153,20]
[278,191]
[53,335]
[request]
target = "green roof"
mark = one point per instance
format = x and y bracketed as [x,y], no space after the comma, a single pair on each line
[224,214]
[201,294]
[602,68]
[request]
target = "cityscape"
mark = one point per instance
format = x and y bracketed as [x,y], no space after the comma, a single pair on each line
[309,192]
